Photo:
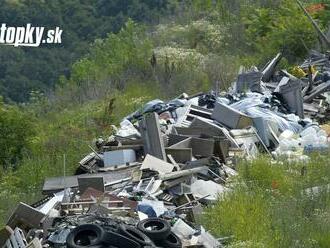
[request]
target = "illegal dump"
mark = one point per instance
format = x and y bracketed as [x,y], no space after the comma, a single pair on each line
[147,185]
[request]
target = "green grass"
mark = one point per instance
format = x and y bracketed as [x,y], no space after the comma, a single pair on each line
[270,209]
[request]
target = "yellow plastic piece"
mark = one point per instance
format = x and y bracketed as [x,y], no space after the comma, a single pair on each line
[298,72]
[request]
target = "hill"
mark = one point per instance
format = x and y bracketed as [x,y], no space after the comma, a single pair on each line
[23,70]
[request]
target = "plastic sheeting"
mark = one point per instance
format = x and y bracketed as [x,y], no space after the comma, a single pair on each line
[127,129]
[254,106]
[202,188]
[157,106]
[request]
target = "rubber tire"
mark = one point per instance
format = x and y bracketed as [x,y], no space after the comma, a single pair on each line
[118,240]
[135,234]
[172,241]
[83,230]
[160,234]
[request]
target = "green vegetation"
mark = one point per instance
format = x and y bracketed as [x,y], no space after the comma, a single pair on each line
[77,91]
[23,70]
[281,29]
[271,207]
[16,133]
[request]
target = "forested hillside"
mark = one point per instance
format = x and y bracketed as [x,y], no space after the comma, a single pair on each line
[115,56]
[23,70]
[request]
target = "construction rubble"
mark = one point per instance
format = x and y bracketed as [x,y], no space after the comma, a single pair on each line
[146,185]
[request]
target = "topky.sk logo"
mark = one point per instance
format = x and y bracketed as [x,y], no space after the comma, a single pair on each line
[29,36]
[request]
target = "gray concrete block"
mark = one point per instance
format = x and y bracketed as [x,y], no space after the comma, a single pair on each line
[231,117]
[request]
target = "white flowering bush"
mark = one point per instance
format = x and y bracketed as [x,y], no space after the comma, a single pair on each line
[201,35]
[178,57]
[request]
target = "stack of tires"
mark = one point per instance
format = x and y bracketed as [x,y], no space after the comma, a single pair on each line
[159,231]
[152,232]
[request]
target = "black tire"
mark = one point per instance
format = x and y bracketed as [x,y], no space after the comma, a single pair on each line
[118,240]
[87,235]
[172,241]
[135,234]
[160,231]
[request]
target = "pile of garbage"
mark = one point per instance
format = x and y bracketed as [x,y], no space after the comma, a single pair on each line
[146,185]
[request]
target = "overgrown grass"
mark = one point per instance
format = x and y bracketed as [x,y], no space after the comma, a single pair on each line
[271,208]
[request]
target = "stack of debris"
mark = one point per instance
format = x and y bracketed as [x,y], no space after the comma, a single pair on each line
[146,185]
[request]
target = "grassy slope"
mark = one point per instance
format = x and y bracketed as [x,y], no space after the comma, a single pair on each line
[270,209]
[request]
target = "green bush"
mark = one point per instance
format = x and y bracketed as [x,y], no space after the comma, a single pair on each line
[283,29]
[16,134]
[109,59]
